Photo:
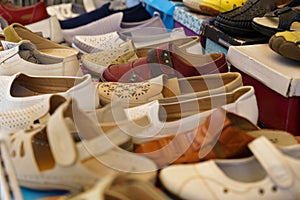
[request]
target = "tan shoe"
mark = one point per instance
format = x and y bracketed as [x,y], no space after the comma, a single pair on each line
[17,32]
[168,90]
[126,52]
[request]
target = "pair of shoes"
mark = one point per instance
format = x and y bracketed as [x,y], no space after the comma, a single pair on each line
[167,59]
[167,90]
[71,152]
[141,37]
[239,20]
[182,116]
[24,57]
[284,19]
[110,24]
[286,43]
[212,7]
[223,135]
[17,32]
[117,187]
[134,14]
[24,15]
[271,173]
[126,52]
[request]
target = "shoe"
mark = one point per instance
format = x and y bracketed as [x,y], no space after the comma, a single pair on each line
[49,28]
[140,37]
[177,117]
[223,135]
[119,5]
[117,187]
[247,178]
[238,21]
[17,32]
[90,5]
[286,44]
[109,24]
[134,14]
[22,91]
[24,57]
[62,154]
[167,59]
[126,52]
[167,90]
[24,15]
[62,11]
[284,19]
[212,7]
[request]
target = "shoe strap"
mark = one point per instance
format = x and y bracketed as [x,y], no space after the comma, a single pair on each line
[273,161]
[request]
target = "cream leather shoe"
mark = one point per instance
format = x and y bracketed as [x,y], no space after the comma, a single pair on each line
[21,91]
[24,57]
[272,173]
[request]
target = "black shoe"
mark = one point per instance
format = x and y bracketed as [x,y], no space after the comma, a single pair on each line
[238,21]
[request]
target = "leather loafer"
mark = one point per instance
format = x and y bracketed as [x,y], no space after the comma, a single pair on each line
[167,59]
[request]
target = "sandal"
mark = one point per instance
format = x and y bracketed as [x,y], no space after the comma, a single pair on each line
[238,21]
[71,152]
[287,44]
[284,19]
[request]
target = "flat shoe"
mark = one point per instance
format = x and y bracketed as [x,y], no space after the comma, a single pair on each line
[167,90]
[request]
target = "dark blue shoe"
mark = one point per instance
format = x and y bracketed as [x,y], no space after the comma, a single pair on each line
[134,14]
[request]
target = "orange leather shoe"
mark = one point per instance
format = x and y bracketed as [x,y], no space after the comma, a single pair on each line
[24,15]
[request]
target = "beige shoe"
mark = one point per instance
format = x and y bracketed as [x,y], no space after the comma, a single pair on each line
[126,52]
[71,152]
[17,32]
[168,90]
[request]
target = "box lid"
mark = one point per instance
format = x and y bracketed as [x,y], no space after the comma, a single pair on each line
[273,70]
[189,19]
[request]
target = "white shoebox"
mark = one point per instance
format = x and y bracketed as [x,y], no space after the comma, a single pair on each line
[276,80]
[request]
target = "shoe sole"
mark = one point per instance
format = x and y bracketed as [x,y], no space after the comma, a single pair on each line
[236,30]
[264,30]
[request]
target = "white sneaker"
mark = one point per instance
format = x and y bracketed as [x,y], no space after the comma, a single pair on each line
[21,91]
[272,173]
[50,28]
[172,118]
[141,37]
[62,11]
[24,57]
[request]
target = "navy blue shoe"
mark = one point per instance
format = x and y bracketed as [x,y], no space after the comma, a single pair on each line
[134,14]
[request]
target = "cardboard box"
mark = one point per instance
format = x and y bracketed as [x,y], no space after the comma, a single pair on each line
[276,80]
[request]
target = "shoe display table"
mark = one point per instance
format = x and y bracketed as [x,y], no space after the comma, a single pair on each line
[276,80]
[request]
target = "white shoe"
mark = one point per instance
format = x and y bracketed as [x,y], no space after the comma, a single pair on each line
[24,57]
[272,173]
[177,117]
[22,91]
[141,37]
[62,11]
[50,28]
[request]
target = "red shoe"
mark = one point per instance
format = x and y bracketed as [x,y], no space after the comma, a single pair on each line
[24,15]
[167,59]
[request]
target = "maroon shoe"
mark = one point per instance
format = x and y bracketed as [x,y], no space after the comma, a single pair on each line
[24,15]
[167,59]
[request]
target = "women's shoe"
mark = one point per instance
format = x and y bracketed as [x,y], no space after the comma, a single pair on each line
[24,15]
[140,37]
[286,44]
[222,135]
[168,90]
[70,152]
[24,57]
[22,91]
[177,117]
[271,173]
[17,32]
[126,52]
[167,59]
